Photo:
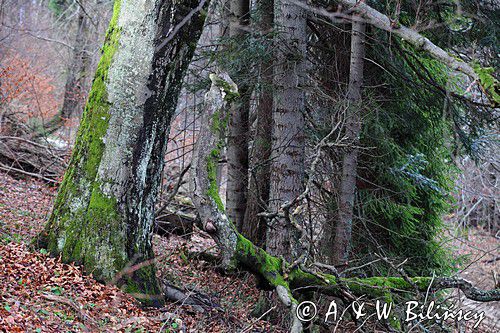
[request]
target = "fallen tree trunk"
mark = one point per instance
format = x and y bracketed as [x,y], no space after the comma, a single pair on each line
[174,222]
[239,252]
[198,300]
[22,156]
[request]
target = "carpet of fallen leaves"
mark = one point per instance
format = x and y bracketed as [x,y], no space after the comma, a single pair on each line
[227,300]
[40,294]
[24,207]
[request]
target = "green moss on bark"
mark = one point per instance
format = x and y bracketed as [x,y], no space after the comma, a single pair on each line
[213,189]
[83,215]
[260,262]
[271,269]
[230,89]
[378,286]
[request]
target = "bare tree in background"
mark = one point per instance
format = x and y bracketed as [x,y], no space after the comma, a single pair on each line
[78,68]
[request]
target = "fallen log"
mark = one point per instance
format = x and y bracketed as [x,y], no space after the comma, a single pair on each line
[174,222]
[175,215]
[239,252]
[198,300]
[32,157]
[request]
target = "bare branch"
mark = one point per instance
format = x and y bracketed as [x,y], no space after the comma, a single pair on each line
[383,22]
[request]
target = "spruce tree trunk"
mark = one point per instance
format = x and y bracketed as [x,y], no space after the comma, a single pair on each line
[254,227]
[343,230]
[237,146]
[274,272]
[103,214]
[288,140]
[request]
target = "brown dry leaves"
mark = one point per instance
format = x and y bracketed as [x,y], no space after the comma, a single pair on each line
[24,207]
[40,294]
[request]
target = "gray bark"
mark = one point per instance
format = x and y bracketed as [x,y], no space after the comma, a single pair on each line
[103,215]
[206,154]
[254,227]
[343,229]
[288,139]
[237,146]
[77,69]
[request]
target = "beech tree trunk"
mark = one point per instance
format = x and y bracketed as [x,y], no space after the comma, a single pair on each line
[343,230]
[254,227]
[103,215]
[237,146]
[288,139]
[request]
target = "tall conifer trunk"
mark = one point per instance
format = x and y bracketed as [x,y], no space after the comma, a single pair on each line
[237,146]
[288,139]
[253,226]
[343,230]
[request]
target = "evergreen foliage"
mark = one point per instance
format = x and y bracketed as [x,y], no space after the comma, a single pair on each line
[415,119]
[59,6]
[408,168]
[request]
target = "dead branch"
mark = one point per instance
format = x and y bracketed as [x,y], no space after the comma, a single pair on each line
[22,155]
[383,22]
[237,251]
[195,298]
[82,314]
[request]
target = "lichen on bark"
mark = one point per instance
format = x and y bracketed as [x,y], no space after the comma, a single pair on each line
[104,212]
[80,205]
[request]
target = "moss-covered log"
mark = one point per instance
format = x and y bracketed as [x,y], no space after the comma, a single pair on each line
[237,251]
[103,215]
[278,272]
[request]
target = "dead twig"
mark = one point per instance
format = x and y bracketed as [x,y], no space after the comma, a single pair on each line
[82,314]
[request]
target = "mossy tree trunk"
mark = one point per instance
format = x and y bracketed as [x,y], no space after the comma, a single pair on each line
[103,214]
[238,252]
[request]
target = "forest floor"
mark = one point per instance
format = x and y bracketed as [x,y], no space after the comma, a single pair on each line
[40,294]
[481,252]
